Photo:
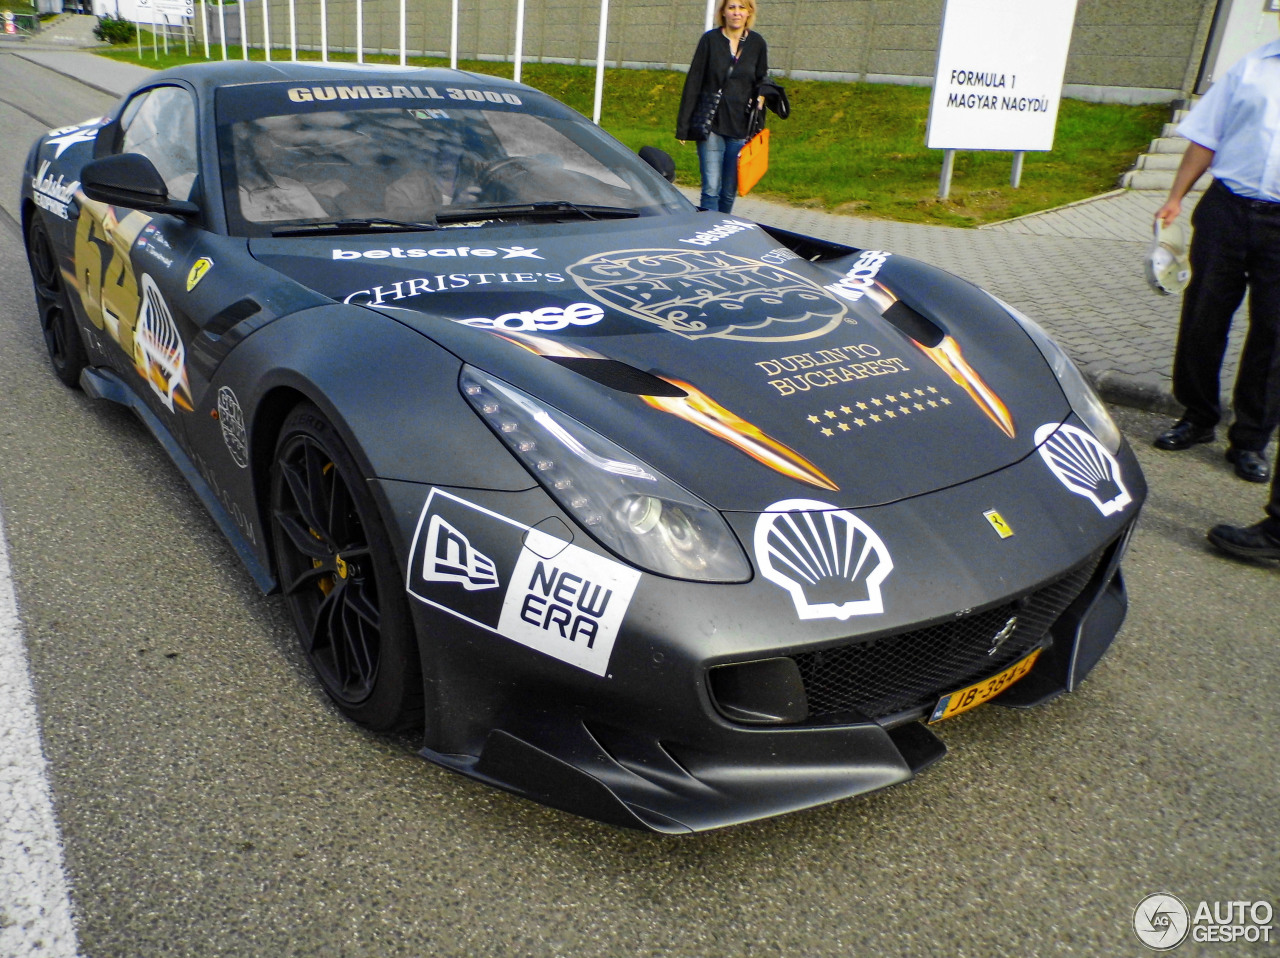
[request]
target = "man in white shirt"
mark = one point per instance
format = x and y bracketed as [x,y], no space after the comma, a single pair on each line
[1235,134]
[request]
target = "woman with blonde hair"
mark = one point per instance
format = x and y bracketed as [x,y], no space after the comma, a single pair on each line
[729,63]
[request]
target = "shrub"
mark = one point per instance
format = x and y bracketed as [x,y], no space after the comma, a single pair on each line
[114,29]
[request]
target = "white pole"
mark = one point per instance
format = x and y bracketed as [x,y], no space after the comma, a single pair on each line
[324,31]
[453,38]
[359,31]
[166,33]
[204,25]
[266,29]
[244,32]
[944,180]
[1015,174]
[222,26]
[403,27]
[711,12]
[293,30]
[519,37]
[600,47]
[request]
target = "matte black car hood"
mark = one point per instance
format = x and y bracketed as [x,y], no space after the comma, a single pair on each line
[703,344]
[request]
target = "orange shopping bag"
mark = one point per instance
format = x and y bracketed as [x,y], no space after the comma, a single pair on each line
[753,162]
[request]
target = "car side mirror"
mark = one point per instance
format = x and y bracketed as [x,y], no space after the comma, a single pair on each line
[661,161]
[132,181]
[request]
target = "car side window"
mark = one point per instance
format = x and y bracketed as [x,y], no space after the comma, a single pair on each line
[161,125]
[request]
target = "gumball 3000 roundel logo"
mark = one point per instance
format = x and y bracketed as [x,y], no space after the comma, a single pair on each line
[710,294]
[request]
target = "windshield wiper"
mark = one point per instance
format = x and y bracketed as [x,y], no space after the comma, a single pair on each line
[548,208]
[374,225]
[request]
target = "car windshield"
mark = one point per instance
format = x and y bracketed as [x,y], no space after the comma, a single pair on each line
[360,162]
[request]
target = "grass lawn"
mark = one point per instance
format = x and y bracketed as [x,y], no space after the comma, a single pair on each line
[853,148]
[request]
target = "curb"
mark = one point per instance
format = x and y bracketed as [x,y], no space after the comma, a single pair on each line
[1138,392]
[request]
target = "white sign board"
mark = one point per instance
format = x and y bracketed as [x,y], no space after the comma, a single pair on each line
[999,78]
[163,11]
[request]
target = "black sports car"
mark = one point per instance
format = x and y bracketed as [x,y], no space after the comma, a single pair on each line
[646,512]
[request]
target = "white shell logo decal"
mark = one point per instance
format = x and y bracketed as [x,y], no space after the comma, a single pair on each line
[1084,466]
[830,561]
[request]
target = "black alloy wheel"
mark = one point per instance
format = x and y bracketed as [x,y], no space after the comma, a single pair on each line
[340,579]
[57,319]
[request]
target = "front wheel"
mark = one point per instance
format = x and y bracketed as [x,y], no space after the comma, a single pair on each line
[57,319]
[340,579]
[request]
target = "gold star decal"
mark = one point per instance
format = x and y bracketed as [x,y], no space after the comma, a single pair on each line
[876,402]
[932,390]
[827,432]
[862,405]
[920,406]
[844,427]
[891,414]
[829,414]
[846,410]
[875,418]
[904,410]
[814,419]
[860,422]
[932,403]
[946,401]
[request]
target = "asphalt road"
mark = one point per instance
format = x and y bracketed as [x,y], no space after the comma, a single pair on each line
[212,803]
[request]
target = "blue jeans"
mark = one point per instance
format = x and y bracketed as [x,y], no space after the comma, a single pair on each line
[718,162]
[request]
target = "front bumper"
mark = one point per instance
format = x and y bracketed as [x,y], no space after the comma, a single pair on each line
[658,739]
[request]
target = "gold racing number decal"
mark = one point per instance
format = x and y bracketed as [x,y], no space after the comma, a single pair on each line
[104,273]
[132,312]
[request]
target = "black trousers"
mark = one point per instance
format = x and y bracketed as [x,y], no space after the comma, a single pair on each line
[1236,244]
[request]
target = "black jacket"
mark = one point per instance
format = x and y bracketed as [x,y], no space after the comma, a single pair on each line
[707,72]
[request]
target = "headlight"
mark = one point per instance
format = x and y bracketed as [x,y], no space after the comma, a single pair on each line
[1084,400]
[628,506]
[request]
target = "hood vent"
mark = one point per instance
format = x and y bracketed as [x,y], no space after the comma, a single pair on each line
[914,324]
[618,375]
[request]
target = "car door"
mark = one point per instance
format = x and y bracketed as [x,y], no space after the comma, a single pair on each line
[131,265]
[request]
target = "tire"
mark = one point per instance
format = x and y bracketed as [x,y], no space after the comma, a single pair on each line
[57,319]
[340,578]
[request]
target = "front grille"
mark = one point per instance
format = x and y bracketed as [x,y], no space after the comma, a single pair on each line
[910,670]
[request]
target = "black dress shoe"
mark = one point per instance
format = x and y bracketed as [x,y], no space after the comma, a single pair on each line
[1183,435]
[1248,542]
[1250,465]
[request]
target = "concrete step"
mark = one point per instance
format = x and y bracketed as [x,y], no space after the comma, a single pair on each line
[1156,180]
[1168,144]
[1158,161]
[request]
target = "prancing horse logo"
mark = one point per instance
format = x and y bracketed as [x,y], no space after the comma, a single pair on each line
[1003,635]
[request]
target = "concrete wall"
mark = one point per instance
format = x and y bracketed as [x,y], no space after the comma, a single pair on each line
[1131,50]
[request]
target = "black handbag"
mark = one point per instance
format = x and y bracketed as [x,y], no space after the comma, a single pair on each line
[704,113]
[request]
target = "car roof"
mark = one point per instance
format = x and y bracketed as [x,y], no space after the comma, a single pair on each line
[220,73]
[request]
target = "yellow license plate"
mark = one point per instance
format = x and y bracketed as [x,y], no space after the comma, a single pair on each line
[979,692]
